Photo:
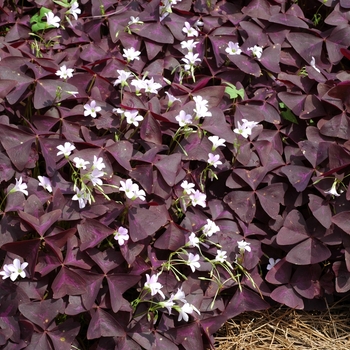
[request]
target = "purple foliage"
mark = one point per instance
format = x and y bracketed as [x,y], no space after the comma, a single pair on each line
[158,157]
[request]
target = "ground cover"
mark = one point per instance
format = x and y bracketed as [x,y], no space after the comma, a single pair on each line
[166,166]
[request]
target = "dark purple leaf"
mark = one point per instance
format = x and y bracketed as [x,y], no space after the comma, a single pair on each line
[321,210]
[311,251]
[242,203]
[42,313]
[68,282]
[342,277]
[92,232]
[102,324]
[286,295]
[299,176]
[245,300]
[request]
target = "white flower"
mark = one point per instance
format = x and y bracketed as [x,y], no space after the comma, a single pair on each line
[20,187]
[98,163]
[183,118]
[171,99]
[64,72]
[132,190]
[167,304]
[201,108]
[217,142]
[189,44]
[192,261]
[45,182]
[190,60]
[133,117]
[52,20]
[131,54]
[134,20]
[82,196]
[313,64]
[94,177]
[213,160]
[272,263]
[333,190]
[193,241]
[153,285]
[14,270]
[221,256]
[179,295]
[139,85]
[91,109]
[198,198]
[74,10]
[121,235]
[244,246]
[210,228]
[151,86]
[6,273]
[185,310]
[123,77]
[80,163]
[245,129]
[128,187]
[256,50]
[233,49]
[189,30]
[66,150]
[188,187]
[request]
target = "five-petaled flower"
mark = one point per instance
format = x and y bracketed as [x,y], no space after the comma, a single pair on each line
[189,44]
[52,20]
[45,182]
[190,60]
[64,72]
[198,198]
[185,310]
[80,163]
[131,54]
[193,241]
[188,187]
[20,187]
[221,256]
[183,118]
[171,99]
[123,77]
[233,49]
[14,270]
[121,235]
[91,109]
[132,190]
[213,160]
[244,246]
[210,228]
[153,285]
[217,142]
[82,196]
[190,31]
[192,261]
[133,117]
[74,10]
[245,129]
[65,149]
[256,50]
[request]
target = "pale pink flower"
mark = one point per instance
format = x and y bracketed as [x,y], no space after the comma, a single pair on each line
[45,182]
[153,285]
[91,109]
[121,235]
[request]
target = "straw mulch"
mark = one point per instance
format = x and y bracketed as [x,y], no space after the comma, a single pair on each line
[284,328]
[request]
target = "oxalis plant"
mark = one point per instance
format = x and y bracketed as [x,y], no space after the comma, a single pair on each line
[166,166]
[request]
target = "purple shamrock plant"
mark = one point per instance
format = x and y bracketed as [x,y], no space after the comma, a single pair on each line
[165,166]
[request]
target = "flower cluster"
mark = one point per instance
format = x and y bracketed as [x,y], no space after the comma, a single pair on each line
[83,176]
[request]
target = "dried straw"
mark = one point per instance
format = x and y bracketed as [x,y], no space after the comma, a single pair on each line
[284,328]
